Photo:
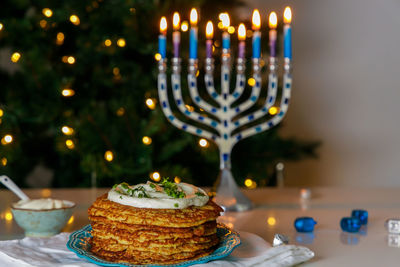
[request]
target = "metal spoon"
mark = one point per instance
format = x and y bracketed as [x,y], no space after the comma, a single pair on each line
[13,187]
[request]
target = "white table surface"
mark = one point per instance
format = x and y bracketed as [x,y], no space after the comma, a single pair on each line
[275,211]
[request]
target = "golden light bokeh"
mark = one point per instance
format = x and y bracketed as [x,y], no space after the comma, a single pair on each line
[67,130]
[155,176]
[157,56]
[189,108]
[71,220]
[151,103]
[4,161]
[184,26]
[248,182]
[107,42]
[251,81]
[273,110]
[271,221]
[8,216]
[60,38]
[43,23]
[108,155]
[120,112]
[231,30]
[1,112]
[177,180]
[47,12]
[147,140]
[1,26]
[15,57]
[116,71]
[203,143]
[70,60]
[121,42]
[70,144]
[7,139]
[68,92]
[74,20]
[45,193]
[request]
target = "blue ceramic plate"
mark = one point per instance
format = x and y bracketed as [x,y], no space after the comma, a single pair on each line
[79,243]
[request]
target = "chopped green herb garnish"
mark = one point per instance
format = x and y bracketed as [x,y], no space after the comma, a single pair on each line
[172,189]
[152,185]
[176,205]
[200,194]
[115,186]
[120,197]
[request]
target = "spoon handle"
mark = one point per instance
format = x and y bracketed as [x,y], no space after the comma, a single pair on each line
[13,187]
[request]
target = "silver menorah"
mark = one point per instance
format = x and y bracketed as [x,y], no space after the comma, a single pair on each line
[230,125]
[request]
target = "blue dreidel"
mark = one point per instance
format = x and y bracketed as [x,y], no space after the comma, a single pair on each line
[350,224]
[304,224]
[362,215]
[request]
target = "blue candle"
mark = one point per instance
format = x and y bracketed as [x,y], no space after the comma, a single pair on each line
[256,35]
[193,43]
[226,41]
[287,33]
[162,45]
[162,38]
[256,44]
[193,34]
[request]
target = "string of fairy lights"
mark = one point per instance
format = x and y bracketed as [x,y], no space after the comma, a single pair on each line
[149,102]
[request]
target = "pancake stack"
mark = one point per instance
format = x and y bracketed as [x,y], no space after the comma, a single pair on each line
[152,236]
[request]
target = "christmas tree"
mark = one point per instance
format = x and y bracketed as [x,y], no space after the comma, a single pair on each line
[80,98]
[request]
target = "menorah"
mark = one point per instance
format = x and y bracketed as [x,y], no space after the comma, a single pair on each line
[226,120]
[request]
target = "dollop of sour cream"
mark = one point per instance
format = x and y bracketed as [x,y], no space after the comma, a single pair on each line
[156,196]
[41,204]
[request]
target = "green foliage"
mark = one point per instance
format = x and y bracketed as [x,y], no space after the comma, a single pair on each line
[108,110]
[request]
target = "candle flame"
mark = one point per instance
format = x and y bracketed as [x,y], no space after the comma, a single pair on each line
[225,20]
[287,15]
[256,20]
[209,30]
[193,17]
[163,25]
[273,20]
[176,21]
[242,32]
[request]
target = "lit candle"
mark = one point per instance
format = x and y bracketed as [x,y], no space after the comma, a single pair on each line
[287,33]
[176,35]
[242,38]
[226,39]
[193,34]
[273,22]
[256,35]
[209,41]
[162,38]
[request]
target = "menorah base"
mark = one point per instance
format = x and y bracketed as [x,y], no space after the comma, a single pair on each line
[228,194]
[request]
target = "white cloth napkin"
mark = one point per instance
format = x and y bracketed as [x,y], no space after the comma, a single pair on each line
[44,252]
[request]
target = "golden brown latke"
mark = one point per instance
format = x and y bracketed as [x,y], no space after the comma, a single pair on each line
[150,258]
[191,216]
[125,235]
[160,236]
[143,232]
[164,247]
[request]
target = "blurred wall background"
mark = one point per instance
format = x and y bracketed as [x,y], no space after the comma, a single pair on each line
[346,90]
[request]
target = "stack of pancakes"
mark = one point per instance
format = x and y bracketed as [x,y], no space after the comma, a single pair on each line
[152,236]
